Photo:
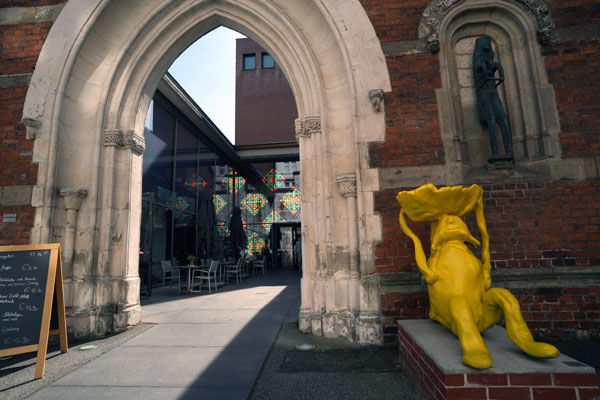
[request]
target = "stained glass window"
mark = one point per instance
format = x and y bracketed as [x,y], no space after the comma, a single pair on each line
[225,226]
[219,202]
[292,200]
[255,244]
[254,202]
[273,179]
[195,182]
[234,184]
[273,217]
[178,205]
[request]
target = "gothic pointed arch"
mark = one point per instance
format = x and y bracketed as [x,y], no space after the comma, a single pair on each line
[86,105]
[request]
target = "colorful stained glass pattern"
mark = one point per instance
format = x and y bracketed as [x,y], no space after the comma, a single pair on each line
[234,183]
[273,217]
[254,202]
[195,182]
[255,244]
[273,179]
[178,204]
[224,225]
[292,200]
[219,202]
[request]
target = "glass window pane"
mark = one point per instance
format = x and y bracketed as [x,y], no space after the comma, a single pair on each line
[267,61]
[158,156]
[249,61]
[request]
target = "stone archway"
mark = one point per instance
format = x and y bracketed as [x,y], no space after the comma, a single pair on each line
[86,105]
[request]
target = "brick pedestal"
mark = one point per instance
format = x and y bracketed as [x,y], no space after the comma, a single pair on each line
[432,355]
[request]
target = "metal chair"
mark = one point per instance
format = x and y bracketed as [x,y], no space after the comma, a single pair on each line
[199,275]
[173,273]
[235,269]
[258,264]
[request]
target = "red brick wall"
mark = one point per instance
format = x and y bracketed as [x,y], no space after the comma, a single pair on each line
[265,107]
[573,71]
[530,225]
[20,46]
[412,125]
[19,232]
[395,20]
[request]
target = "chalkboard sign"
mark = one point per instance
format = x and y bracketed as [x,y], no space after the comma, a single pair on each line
[31,300]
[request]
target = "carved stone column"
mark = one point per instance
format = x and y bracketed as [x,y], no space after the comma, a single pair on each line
[73,199]
[347,186]
[310,298]
[117,283]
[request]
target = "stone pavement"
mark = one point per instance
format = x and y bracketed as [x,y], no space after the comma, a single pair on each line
[211,346]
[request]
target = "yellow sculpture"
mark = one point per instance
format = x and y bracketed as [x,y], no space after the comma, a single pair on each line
[458,283]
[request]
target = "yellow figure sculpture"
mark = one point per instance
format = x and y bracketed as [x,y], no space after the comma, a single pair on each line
[458,283]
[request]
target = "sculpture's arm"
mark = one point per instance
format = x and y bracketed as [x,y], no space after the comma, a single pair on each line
[500,72]
[485,243]
[430,276]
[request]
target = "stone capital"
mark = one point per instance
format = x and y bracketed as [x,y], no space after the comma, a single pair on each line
[346,184]
[115,137]
[307,126]
[73,197]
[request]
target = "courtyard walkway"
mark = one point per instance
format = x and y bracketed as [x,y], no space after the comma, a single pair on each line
[238,343]
[202,346]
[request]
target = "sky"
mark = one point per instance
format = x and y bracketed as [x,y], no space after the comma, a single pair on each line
[206,70]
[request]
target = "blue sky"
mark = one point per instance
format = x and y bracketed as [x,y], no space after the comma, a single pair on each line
[206,70]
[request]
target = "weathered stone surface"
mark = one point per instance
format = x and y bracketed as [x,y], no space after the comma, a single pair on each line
[29,15]
[19,195]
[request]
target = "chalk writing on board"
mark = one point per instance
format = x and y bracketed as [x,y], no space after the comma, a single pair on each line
[23,276]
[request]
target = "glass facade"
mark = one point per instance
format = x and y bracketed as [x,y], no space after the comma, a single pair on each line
[189,194]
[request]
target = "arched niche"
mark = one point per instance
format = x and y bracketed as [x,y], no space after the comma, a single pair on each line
[89,94]
[527,96]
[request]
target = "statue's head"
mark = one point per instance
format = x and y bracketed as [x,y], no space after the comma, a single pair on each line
[450,227]
[483,49]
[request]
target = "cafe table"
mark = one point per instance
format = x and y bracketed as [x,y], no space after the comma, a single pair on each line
[189,269]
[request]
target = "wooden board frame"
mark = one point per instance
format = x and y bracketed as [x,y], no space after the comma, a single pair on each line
[54,286]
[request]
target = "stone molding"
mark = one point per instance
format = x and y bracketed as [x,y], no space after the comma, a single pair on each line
[29,15]
[130,140]
[437,9]
[308,126]
[509,278]
[346,184]
[73,197]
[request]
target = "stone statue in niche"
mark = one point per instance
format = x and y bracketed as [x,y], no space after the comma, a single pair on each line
[489,106]
[458,283]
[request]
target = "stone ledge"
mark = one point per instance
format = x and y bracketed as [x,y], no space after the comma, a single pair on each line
[432,356]
[509,278]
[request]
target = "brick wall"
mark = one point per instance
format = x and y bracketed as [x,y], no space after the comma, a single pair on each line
[265,107]
[531,225]
[412,124]
[20,45]
[573,70]
[395,20]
